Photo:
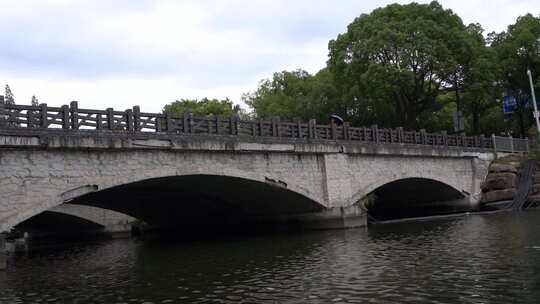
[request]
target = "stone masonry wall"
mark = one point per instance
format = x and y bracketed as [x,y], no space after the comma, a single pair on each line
[39,174]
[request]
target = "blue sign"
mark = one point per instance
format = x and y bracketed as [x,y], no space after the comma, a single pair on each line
[509,104]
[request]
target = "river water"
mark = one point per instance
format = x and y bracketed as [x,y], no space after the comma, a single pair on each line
[471,259]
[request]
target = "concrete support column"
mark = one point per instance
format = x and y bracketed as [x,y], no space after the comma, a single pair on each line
[480,169]
[337,180]
[338,194]
[3,255]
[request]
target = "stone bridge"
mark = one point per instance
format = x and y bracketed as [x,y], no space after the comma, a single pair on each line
[184,171]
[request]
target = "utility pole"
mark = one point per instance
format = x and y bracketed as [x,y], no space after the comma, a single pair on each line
[536,114]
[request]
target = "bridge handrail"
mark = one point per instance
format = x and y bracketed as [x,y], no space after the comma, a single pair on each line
[133,120]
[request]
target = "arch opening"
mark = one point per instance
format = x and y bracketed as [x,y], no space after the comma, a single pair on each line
[202,201]
[414,197]
[51,224]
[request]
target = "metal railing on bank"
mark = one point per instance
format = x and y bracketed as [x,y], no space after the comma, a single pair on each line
[72,118]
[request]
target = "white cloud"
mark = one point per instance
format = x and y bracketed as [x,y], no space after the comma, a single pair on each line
[147,52]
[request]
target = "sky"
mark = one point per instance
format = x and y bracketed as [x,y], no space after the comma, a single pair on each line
[123,53]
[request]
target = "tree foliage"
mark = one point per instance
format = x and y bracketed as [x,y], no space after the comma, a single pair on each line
[294,95]
[393,63]
[203,107]
[8,96]
[518,49]
[413,65]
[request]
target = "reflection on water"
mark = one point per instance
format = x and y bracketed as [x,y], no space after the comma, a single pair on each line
[474,259]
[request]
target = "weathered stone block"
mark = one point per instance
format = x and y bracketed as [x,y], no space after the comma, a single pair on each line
[498,195]
[498,168]
[499,181]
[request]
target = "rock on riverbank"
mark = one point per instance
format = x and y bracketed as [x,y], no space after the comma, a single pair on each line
[500,183]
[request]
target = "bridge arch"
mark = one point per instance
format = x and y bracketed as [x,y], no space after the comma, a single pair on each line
[412,197]
[189,199]
[237,190]
[52,222]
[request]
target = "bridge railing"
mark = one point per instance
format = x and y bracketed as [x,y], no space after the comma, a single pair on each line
[509,144]
[133,120]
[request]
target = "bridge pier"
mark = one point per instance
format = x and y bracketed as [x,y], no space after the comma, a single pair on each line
[333,218]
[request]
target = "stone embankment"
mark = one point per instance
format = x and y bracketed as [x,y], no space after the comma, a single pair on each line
[500,185]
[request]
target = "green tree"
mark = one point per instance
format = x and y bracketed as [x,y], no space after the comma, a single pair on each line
[9,98]
[477,91]
[518,48]
[294,95]
[391,65]
[203,107]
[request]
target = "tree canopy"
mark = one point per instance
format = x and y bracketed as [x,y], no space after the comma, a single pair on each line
[203,107]
[518,49]
[413,65]
[293,95]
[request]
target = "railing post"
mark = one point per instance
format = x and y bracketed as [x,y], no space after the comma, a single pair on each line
[482,139]
[253,128]
[188,122]
[494,142]
[476,141]
[99,124]
[191,123]
[400,134]
[129,120]
[137,118]
[168,122]
[333,130]
[44,121]
[218,122]
[444,138]
[375,133]
[312,124]
[233,125]
[526,144]
[159,123]
[423,137]
[74,110]
[346,127]
[65,117]
[110,118]
[237,124]
[511,143]
[261,127]
[275,126]
[29,119]
[3,118]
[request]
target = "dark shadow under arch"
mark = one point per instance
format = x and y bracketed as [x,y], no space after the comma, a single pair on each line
[200,200]
[57,223]
[414,197]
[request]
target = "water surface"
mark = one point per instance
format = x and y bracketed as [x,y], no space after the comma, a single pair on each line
[471,259]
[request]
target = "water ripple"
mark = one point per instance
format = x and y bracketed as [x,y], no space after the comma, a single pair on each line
[476,259]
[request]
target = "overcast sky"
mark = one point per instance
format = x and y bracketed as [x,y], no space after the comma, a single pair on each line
[150,52]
